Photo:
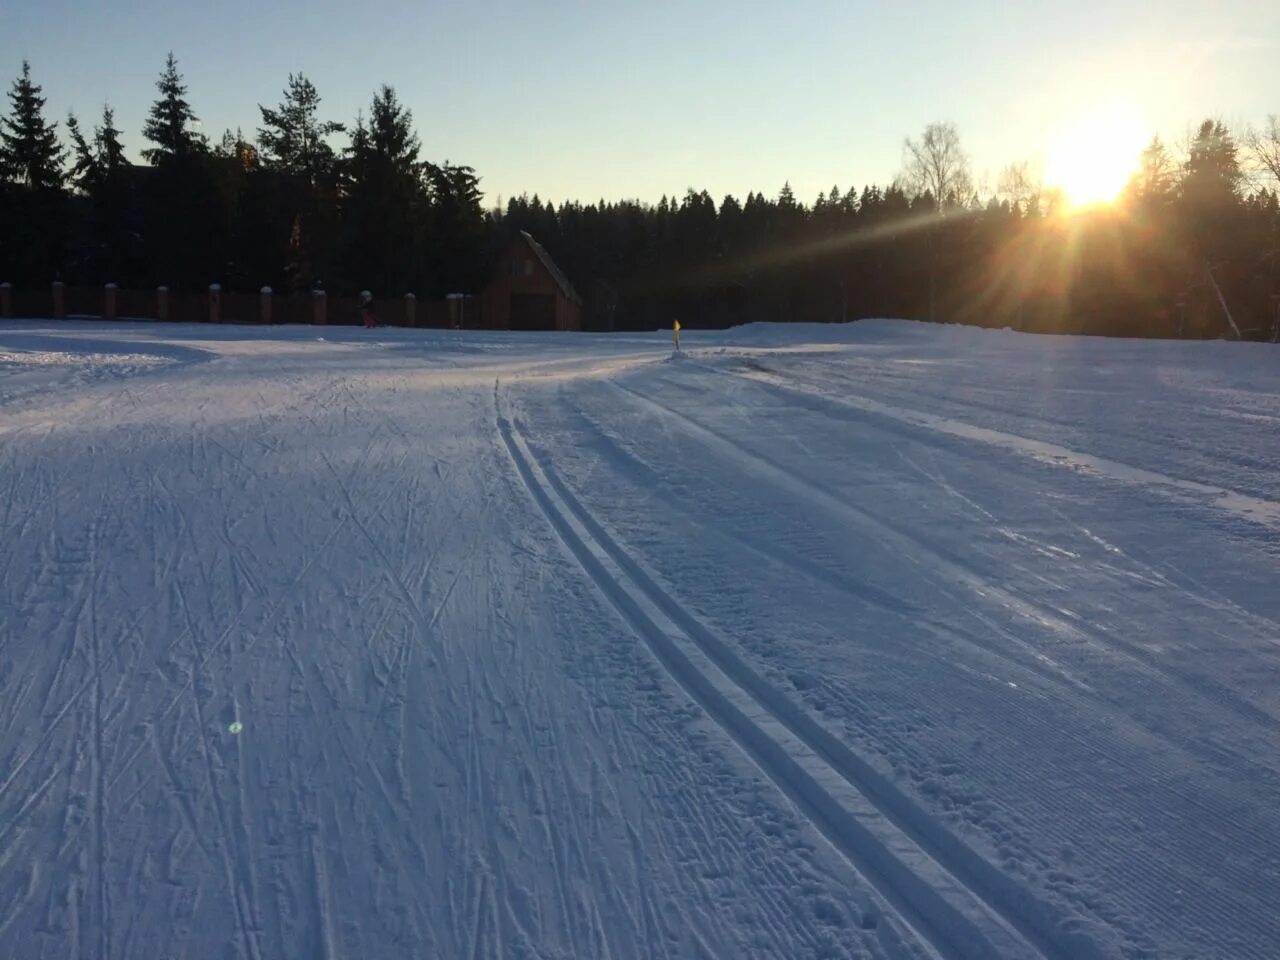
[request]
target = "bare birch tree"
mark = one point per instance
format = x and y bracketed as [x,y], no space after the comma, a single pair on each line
[1263,148]
[936,164]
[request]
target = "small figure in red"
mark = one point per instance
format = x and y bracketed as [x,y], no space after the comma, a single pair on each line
[366,310]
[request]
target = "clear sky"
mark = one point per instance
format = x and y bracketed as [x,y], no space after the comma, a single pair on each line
[617,98]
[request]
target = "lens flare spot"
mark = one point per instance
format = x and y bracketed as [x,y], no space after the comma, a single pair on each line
[1091,157]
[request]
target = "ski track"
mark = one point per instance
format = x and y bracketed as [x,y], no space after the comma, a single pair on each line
[1252,509]
[950,927]
[958,572]
[863,593]
[1197,451]
[1243,841]
[878,642]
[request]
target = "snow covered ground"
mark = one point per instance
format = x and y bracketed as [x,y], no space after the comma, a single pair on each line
[887,640]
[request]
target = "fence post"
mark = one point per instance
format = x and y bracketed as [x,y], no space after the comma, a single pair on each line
[215,302]
[109,302]
[6,301]
[265,302]
[162,303]
[410,310]
[59,301]
[318,308]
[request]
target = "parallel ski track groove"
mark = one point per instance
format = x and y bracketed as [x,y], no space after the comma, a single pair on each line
[950,931]
[947,565]
[772,552]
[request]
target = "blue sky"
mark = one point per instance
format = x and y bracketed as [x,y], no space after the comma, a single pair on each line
[627,99]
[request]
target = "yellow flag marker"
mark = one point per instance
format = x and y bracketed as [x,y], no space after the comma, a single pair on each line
[675,333]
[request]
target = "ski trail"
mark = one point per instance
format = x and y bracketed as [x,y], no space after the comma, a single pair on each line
[321,885]
[949,895]
[1250,508]
[477,938]
[648,480]
[324,899]
[66,571]
[807,490]
[244,931]
[267,620]
[99,774]
[1208,597]
[178,794]
[954,570]
[1035,661]
[420,619]
[1146,574]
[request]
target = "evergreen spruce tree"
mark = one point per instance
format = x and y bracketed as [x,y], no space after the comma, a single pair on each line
[101,161]
[189,207]
[101,172]
[385,200]
[30,154]
[459,235]
[83,155]
[292,136]
[1156,176]
[1213,215]
[391,135]
[1213,172]
[169,124]
[33,205]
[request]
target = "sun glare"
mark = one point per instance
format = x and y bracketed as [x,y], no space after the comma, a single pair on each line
[1091,157]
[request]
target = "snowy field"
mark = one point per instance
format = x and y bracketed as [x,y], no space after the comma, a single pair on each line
[886,640]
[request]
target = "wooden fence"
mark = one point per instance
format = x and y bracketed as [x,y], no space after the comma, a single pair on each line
[214,305]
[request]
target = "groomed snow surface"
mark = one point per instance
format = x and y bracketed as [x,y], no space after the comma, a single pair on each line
[883,640]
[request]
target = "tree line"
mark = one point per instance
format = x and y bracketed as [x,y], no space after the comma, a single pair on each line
[1191,240]
[284,209]
[1190,249]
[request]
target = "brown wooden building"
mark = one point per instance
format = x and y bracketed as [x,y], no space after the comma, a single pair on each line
[529,292]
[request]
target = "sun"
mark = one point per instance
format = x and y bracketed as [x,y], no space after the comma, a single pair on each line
[1091,157]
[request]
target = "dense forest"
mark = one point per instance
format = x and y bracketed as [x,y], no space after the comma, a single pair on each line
[1190,248]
